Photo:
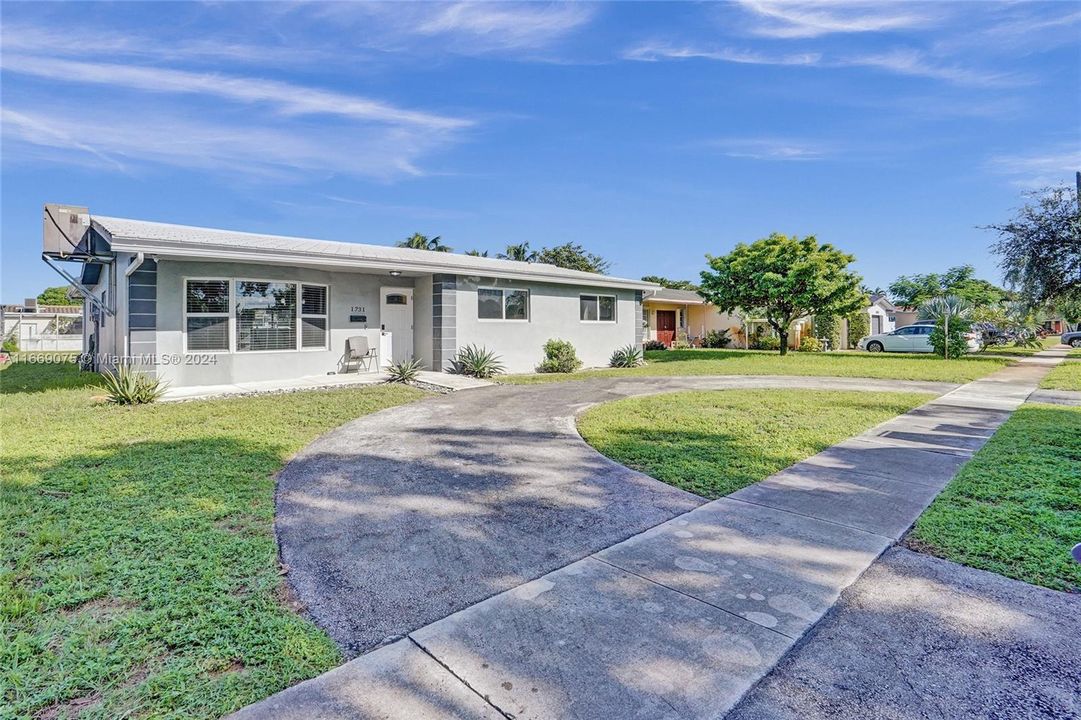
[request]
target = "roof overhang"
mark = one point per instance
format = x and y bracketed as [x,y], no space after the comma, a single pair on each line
[668,301]
[205,252]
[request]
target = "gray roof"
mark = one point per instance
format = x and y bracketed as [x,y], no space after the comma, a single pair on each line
[163,239]
[675,296]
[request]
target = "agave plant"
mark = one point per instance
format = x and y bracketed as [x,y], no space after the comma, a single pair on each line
[405,371]
[627,356]
[124,386]
[476,361]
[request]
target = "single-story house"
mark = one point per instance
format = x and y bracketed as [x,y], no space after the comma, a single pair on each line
[32,326]
[883,315]
[199,306]
[670,314]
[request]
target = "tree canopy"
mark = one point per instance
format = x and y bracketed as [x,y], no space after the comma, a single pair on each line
[671,284]
[58,296]
[1039,249]
[573,257]
[417,241]
[913,290]
[787,278]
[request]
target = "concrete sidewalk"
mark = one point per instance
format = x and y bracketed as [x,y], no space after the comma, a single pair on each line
[682,619]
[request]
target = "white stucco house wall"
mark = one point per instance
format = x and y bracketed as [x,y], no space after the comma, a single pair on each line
[200,306]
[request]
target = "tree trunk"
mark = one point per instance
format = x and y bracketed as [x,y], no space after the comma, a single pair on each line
[784,342]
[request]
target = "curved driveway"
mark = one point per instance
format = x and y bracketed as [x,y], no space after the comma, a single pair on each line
[403,517]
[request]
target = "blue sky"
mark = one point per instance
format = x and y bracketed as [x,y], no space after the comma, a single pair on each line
[650,133]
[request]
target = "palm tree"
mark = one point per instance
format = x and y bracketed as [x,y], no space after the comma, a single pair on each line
[520,252]
[477,253]
[421,242]
[942,310]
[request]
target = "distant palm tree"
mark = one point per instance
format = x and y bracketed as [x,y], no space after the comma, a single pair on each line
[520,252]
[942,310]
[421,242]
[477,253]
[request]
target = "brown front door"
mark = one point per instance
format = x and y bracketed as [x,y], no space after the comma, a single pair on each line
[666,327]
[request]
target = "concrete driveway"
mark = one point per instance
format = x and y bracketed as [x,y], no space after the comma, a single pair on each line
[404,517]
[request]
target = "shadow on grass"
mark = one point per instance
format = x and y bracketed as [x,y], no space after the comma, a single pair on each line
[30,375]
[175,540]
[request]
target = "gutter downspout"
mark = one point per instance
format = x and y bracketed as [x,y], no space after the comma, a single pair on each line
[134,265]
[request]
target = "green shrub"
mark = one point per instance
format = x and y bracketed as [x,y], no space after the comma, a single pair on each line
[810,344]
[125,386]
[405,371]
[859,326]
[958,343]
[627,356]
[11,345]
[476,361]
[559,357]
[829,327]
[654,345]
[716,339]
[765,342]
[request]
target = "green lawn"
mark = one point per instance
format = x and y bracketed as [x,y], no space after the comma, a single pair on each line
[712,443]
[139,568]
[753,362]
[1067,376]
[1047,342]
[1015,508]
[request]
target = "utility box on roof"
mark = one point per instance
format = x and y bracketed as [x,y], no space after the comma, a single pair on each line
[65,229]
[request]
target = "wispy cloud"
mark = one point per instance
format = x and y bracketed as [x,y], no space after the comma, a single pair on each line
[781,149]
[904,61]
[1041,168]
[286,98]
[129,140]
[466,28]
[654,51]
[793,19]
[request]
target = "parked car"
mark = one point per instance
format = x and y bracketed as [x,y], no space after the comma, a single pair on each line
[915,338]
[1073,339]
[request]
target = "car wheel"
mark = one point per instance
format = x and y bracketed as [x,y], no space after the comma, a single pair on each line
[875,347]
[1076,342]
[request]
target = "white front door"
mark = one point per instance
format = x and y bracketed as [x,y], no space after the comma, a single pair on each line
[396,317]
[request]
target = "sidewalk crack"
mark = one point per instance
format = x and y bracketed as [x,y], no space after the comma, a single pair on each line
[462,680]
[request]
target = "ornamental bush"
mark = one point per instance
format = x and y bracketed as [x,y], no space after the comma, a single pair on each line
[829,327]
[559,357]
[716,339]
[810,344]
[859,326]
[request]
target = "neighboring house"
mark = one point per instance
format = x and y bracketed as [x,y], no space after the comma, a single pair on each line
[199,306]
[43,327]
[669,314]
[883,315]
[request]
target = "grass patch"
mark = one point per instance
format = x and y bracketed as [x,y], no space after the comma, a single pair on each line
[753,362]
[139,574]
[1015,508]
[1045,343]
[1065,376]
[712,443]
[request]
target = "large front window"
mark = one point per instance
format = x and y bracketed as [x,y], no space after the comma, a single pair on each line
[266,316]
[502,304]
[206,305]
